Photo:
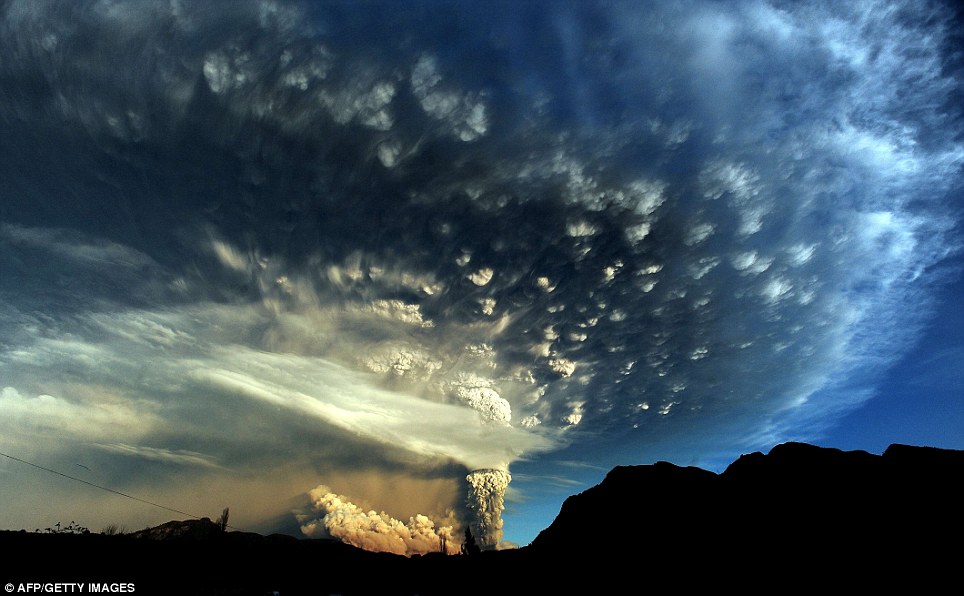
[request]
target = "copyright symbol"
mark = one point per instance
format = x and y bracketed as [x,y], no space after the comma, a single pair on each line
[8,587]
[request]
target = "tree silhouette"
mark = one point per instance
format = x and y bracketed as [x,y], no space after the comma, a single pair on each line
[469,545]
[222,522]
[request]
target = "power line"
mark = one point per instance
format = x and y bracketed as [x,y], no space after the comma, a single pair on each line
[110,490]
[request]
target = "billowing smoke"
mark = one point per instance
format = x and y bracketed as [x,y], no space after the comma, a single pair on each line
[333,515]
[486,500]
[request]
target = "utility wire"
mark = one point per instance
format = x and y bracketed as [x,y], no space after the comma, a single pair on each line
[110,490]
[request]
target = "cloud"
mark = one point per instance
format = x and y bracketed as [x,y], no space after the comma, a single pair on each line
[80,251]
[464,114]
[332,394]
[295,234]
[179,456]
[89,416]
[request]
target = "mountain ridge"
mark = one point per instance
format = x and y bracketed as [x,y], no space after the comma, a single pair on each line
[818,497]
[817,515]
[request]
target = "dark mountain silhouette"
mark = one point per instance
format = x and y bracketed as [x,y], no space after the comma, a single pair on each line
[195,529]
[797,493]
[800,517]
[800,511]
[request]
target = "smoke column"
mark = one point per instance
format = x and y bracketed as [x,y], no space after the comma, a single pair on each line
[486,500]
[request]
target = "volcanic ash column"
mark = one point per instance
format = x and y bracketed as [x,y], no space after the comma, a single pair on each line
[486,502]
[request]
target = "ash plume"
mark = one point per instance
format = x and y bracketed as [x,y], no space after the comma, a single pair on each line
[486,500]
[336,516]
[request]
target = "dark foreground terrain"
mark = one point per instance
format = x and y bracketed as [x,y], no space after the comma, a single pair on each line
[799,518]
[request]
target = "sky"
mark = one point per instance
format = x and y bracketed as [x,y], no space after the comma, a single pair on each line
[379,270]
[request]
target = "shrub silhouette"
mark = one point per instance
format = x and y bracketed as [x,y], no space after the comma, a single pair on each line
[71,528]
[113,530]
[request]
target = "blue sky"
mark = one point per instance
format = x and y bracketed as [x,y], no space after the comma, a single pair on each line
[350,266]
[918,400]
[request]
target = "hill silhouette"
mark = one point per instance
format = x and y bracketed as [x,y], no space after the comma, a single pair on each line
[798,517]
[796,497]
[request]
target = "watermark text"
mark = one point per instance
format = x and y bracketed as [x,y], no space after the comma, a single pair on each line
[69,588]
